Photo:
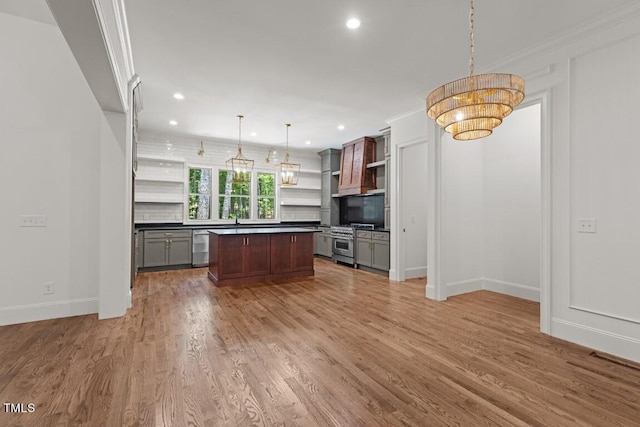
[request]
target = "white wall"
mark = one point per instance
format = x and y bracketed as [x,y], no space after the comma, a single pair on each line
[462,222]
[217,152]
[413,173]
[587,80]
[52,131]
[511,205]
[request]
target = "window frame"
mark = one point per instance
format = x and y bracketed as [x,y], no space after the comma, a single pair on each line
[187,193]
[276,189]
[253,198]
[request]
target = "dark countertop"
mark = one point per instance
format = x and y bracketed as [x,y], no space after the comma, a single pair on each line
[264,230]
[174,226]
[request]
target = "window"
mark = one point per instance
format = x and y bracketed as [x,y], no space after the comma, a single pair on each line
[199,193]
[266,195]
[234,199]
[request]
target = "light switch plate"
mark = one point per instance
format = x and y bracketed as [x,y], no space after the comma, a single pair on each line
[33,221]
[586,225]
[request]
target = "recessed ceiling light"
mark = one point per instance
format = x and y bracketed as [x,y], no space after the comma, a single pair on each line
[178,96]
[308,142]
[353,23]
[341,127]
[254,134]
[173,122]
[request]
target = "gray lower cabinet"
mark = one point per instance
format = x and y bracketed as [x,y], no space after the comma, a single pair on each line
[372,249]
[167,247]
[323,244]
[138,243]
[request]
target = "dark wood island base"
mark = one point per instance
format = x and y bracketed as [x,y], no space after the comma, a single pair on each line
[248,255]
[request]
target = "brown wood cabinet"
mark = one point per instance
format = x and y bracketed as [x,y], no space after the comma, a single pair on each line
[239,256]
[289,252]
[355,177]
[246,257]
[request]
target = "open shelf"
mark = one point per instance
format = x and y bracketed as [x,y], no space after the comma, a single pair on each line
[150,178]
[299,187]
[152,198]
[376,164]
[376,191]
[152,158]
[310,171]
[301,202]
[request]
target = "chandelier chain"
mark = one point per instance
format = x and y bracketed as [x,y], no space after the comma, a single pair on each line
[240,117]
[287,125]
[471,46]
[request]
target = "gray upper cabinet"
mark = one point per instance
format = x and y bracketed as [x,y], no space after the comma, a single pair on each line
[386,140]
[329,207]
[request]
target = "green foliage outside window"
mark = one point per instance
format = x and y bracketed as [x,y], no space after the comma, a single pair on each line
[238,197]
[266,196]
[199,193]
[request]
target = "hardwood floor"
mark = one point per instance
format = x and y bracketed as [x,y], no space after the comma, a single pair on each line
[345,347]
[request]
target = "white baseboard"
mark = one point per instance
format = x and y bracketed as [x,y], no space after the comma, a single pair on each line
[464,286]
[482,283]
[513,289]
[410,273]
[48,310]
[619,345]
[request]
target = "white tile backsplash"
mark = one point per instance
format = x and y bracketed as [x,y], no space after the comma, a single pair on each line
[162,179]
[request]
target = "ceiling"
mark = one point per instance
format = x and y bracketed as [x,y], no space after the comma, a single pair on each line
[288,61]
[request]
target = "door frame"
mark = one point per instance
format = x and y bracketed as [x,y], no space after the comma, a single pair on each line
[397,221]
[436,289]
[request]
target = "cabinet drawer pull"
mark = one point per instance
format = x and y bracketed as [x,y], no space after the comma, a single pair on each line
[168,234]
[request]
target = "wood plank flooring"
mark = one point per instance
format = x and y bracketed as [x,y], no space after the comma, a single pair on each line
[343,348]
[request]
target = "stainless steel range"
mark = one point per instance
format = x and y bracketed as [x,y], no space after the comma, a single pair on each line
[342,249]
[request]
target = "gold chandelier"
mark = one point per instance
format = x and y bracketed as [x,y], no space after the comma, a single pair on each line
[469,108]
[239,165]
[288,171]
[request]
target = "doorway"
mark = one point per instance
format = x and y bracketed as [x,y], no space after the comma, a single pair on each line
[511,252]
[412,170]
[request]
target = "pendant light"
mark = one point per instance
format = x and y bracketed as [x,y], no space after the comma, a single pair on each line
[240,166]
[469,108]
[288,171]
[201,150]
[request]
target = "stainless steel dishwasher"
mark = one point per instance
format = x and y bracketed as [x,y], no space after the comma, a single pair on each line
[200,255]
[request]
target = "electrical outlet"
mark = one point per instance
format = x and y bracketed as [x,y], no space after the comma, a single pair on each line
[48,288]
[586,225]
[33,221]
[145,217]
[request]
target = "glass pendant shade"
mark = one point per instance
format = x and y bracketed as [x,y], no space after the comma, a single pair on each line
[289,172]
[471,107]
[240,166]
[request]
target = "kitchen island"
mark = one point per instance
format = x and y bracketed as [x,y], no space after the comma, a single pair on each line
[244,255]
